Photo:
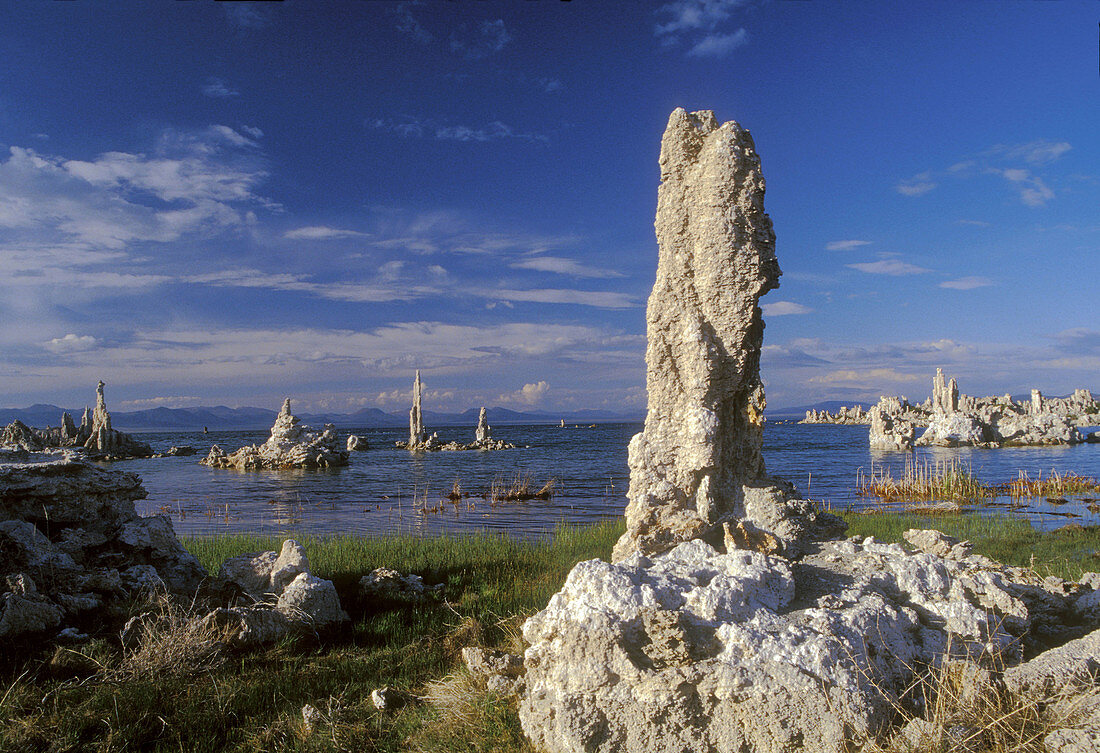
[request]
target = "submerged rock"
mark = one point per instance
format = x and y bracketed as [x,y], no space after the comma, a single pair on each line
[291,445]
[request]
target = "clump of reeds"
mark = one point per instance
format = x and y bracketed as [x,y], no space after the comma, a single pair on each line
[1054,485]
[519,489]
[947,480]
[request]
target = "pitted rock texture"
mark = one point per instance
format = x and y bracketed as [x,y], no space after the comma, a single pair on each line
[702,651]
[701,444]
[72,543]
[291,445]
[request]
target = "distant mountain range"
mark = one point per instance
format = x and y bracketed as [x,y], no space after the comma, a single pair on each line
[222,418]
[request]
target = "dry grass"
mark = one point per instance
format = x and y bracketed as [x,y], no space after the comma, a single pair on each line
[949,480]
[1055,484]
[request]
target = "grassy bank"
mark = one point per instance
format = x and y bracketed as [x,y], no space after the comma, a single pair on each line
[95,697]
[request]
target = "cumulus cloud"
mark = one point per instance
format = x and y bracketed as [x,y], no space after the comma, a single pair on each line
[845,245]
[966,283]
[319,233]
[894,267]
[528,394]
[783,308]
[71,343]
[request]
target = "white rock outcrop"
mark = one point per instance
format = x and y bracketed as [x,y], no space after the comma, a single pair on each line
[291,445]
[483,432]
[697,465]
[702,651]
[889,433]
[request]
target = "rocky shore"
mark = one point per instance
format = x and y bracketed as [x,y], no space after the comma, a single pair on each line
[291,445]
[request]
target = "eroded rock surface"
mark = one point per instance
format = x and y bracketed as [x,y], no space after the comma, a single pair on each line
[291,445]
[700,450]
[698,650]
[73,543]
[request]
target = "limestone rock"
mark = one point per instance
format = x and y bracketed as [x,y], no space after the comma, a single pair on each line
[357,444]
[390,585]
[1074,665]
[313,600]
[291,445]
[387,698]
[103,440]
[888,432]
[483,431]
[73,543]
[249,573]
[697,650]
[939,544]
[17,435]
[417,434]
[700,449]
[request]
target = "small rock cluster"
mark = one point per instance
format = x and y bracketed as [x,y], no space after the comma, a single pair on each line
[420,441]
[273,594]
[291,445]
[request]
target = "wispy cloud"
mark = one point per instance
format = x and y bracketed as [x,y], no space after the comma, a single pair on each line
[421,127]
[408,23]
[974,223]
[246,15]
[320,233]
[563,266]
[893,267]
[784,308]
[918,185]
[697,24]
[219,89]
[967,283]
[845,245]
[480,41]
[1016,164]
[719,45]
[597,298]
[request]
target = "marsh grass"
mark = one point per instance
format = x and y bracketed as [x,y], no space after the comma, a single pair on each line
[519,489]
[950,480]
[1055,484]
[102,697]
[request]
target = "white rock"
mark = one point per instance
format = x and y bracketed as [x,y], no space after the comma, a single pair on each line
[311,599]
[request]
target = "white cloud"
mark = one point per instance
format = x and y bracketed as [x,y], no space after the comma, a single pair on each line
[697,24]
[320,232]
[783,308]
[408,24]
[719,45]
[563,266]
[245,15]
[918,185]
[966,283]
[219,89]
[867,378]
[71,343]
[845,245]
[528,394]
[173,401]
[597,298]
[1038,152]
[894,267]
[974,223]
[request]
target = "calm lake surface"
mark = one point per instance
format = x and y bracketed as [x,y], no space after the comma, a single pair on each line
[387,490]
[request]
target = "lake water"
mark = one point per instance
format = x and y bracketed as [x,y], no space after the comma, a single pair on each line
[388,490]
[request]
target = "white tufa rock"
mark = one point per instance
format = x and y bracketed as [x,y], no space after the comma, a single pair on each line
[291,445]
[700,450]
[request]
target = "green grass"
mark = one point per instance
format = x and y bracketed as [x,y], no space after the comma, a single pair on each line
[63,701]
[1066,553]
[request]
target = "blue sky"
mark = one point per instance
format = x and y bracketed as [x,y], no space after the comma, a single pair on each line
[208,203]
